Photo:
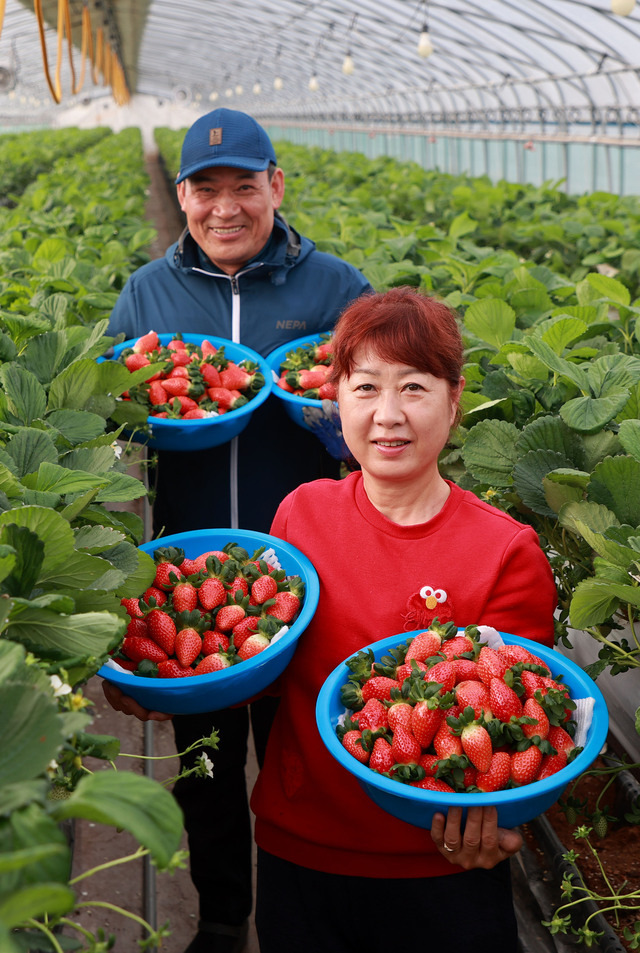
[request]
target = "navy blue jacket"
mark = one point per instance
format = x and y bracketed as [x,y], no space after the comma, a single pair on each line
[287,291]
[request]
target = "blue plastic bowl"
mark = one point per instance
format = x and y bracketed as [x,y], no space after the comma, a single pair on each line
[417,806]
[210,431]
[293,404]
[239,682]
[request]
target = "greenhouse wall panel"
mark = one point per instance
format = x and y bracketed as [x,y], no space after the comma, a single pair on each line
[585,166]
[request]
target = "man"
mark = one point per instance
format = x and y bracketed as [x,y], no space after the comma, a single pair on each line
[238,271]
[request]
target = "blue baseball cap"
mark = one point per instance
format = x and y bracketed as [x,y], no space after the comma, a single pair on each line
[225,137]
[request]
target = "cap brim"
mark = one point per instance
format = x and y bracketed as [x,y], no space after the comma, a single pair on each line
[234,162]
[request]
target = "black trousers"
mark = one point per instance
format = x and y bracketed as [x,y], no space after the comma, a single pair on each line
[216,810]
[306,911]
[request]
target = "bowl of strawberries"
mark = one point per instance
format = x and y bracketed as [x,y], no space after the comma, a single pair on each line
[300,370]
[219,622]
[201,393]
[462,717]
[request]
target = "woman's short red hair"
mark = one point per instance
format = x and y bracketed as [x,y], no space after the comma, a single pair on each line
[400,325]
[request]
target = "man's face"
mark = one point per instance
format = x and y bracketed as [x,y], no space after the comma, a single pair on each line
[230,212]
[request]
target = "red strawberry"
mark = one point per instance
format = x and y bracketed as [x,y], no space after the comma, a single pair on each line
[466,670]
[234,377]
[153,593]
[184,597]
[525,765]
[424,645]
[164,573]
[133,362]
[497,777]
[514,653]
[352,742]
[238,584]
[210,374]
[229,616]
[211,593]
[157,394]
[138,627]
[207,348]
[532,709]
[381,758]
[253,645]
[531,682]
[132,608]
[214,641]
[223,397]
[148,342]
[404,747]
[504,702]
[200,561]
[173,669]
[552,763]
[433,784]
[137,649]
[458,645]
[263,588]
[490,664]
[400,714]
[379,686]
[327,391]
[560,739]
[445,743]
[246,627]
[430,762]
[212,663]
[285,607]
[475,694]
[188,567]
[162,629]
[406,669]
[476,743]
[188,645]
[373,715]
[442,672]
[425,721]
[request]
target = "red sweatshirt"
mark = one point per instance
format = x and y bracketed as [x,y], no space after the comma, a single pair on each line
[309,809]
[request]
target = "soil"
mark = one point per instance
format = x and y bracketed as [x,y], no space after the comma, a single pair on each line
[618,851]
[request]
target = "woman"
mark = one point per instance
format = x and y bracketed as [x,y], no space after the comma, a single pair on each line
[335,872]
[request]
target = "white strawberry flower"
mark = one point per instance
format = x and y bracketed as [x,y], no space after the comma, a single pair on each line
[117,449]
[59,687]
[207,765]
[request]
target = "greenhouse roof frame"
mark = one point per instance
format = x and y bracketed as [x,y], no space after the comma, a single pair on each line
[558,65]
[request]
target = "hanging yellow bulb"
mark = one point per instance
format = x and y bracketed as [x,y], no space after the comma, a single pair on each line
[257,88]
[425,46]
[313,83]
[278,82]
[348,65]
[622,8]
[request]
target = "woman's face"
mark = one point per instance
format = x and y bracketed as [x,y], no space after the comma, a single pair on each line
[395,419]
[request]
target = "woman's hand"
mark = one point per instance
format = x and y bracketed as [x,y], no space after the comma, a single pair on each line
[480,844]
[121,702]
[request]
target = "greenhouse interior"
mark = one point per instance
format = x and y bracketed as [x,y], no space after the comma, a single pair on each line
[194,198]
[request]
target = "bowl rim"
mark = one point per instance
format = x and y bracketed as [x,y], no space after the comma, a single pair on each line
[230,674]
[233,415]
[595,740]
[274,359]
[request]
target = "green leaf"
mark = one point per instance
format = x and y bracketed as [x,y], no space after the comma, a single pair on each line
[132,802]
[529,473]
[30,732]
[76,426]
[29,448]
[589,414]
[592,603]
[556,364]
[561,331]
[629,434]
[52,635]
[610,288]
[461,225]
[615,483]
[489,451]
[491,320]
[121,488]
[136,582]
[50,527]
[35,901]
[28,555]
[26,398]
[551,433]
[74,386]
[97,539]
[52,478]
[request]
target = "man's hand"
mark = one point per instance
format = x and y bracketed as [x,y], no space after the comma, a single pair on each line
[121,702]
[481,844]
